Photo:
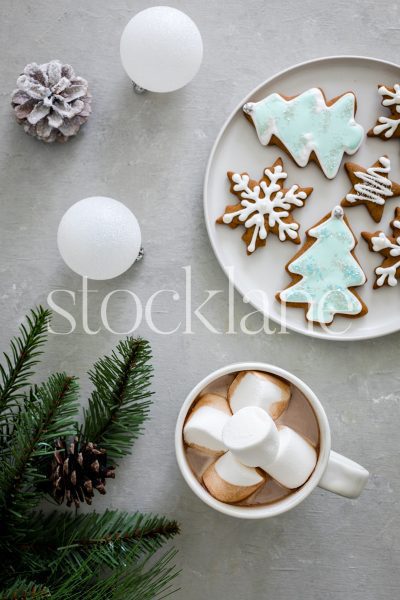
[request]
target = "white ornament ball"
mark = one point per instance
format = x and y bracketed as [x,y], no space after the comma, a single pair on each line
[99,238]
[161,49]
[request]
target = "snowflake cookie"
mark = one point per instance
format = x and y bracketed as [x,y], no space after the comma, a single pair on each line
[371,187]
[264,206]
[325,272]
[388,127]
[308,127]
[389,247]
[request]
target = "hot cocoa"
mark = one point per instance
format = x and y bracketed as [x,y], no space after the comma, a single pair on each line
[251,438]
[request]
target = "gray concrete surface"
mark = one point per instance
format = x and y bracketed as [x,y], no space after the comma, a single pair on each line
[150,152]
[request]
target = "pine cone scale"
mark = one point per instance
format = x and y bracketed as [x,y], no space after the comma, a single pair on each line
[21,97]
[38,113]
[22,110]
[55,121]
[73,92]
[44,130]
[71,128]
[34,70]
[34,90]
[65,109]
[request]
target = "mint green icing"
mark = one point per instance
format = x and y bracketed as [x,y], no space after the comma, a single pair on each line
[328,269]
[305,124]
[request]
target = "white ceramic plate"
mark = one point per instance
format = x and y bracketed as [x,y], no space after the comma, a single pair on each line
[237,148]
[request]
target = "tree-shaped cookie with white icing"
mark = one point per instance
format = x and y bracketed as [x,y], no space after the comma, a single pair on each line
[371,187]
[325,272]
[387,127]
[309,127]
[264,206]
[389,247]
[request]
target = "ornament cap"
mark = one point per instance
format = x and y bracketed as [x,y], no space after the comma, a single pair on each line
[338,212]
[138,89]
[140,255]
[248,108]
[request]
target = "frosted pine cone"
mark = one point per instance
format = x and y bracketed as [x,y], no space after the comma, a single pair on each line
[51,102]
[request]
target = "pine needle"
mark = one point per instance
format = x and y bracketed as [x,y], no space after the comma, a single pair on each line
[113,533]
[119,404]
[50,412]
[23,589]
[25,351]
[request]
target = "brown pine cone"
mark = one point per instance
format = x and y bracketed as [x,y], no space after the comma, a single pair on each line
[77,469]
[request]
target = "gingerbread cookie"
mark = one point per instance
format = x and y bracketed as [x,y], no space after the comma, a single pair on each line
[371,187]
[389,247]
[264,206]
[308,127]
[325,272]
[388,127]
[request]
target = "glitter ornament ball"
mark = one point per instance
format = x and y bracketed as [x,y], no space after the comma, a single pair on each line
[99,238]
[161,49]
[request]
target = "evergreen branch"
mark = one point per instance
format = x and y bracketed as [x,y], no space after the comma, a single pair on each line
[119,542]
[49,413]
[60,543]
[128,582]
[25,351]
[131,581]
[73,584]
[119,403]
[21,589]
[150,584]
[115,526]
[113,534]
[21,563]
[59,556]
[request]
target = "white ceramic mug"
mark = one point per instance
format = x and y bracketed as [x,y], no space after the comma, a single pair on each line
[333,471]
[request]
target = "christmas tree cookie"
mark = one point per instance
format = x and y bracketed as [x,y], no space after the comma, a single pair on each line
[325,272]
[308,127]
[388,127]
[389,247]
[264,206]
[371,187]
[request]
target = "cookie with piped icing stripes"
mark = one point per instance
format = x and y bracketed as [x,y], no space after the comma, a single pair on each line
[371,187]
[309,127]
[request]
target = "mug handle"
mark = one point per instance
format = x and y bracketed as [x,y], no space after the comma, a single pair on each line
[343,476]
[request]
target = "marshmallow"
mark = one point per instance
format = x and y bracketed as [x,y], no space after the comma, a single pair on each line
[230,481]
[252,436]
[255,388]
[203,428]
[295,461]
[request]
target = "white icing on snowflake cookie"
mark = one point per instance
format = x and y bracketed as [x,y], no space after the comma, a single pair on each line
[264,206]
[308,127]
[389,247]
[388,127]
